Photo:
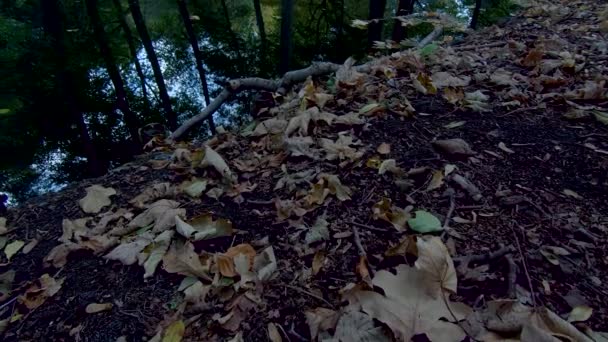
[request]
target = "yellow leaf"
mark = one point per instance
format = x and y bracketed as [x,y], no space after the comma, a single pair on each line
[174,332]
[580,313]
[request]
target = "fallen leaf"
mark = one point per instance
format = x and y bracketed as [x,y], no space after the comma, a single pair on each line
[299,123]
[572,194]
[194,188]
[434,259]
[181,258]
[270,126]
[602,117]
[265,264]
[226,261]
[273,333]
[406,246]
[58,255]
[203,227]
[424,222]
[321,320]
[127,252]
[477,101]
[386,211]
[6,284]
[12,248]
[533,57]
[436,181]
[580,313]
[161,213]
[300,146]
[502,146]
[340,149]
[174,332]
[318,260]
[152,193]
[456,147]
[159,249]
[196,293]
[370,108]
[384,148]
[552,253]
[30,246]
[98,307]
[74,228]
[454,124]
[213,159]
[3,229]
[318,232]
[44,288]
[355,326]
[96,198]
[444,79]
[390,165]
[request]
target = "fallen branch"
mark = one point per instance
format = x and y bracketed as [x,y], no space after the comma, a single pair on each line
[280,86]
[468,259]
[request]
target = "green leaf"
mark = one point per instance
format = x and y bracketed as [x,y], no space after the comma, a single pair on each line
[4,111]
[424,222]
[428,50]
[174,332]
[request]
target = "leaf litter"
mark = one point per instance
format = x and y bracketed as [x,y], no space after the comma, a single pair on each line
[279,232]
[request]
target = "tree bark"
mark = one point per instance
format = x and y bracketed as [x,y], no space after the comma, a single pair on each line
[53,17]
[404,7]
[183,11]
[158,75]
[374,29]
[106,53]
[286,46]
[133,50]
[475,17]
[259,18]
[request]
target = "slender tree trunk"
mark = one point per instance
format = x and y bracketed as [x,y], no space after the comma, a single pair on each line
[235,40]
[119,86]
[133,50]
[53,17]
[183,11]
[158,75]
[374,29]
[475,17]
[286,46]
[404,7]
[259,18]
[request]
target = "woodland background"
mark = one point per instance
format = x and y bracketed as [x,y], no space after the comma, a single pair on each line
[79,78]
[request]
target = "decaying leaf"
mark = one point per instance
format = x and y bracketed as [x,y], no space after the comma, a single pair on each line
[291,181]
[424,222]
[216,161]
[98,307]
[44,288]
[152,193]
[327,184]
[97,197]
[203,227]
[161,213]
[226,261]
[455,147]
[12,248]
[384,210]
[356,326]
[318,232]
[321,320]
[181,258]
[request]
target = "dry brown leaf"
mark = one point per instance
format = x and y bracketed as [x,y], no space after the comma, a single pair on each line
[350,119]
[159,249]
[107,218]
[196,293]
[444,79]
[299,123]
[300,146]
[355,326]
[320,320]
[98,307]
[533,58]
[270,126]
[59,254]
[203,227]
[406,246]
[161,213]
[435,261]
[318,232]
[273,333]
[288,208]
[318,260]
[384,210]
[213,159]
[226,261]
[127,252]
[98,243]
[341,148]
[74,229]
[181,258]
[456,147]
[97,197]
[153,193]
[44,288]
[436,181]
[384,148]
[265,264]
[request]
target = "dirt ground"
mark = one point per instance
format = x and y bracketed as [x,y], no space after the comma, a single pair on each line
[547,187]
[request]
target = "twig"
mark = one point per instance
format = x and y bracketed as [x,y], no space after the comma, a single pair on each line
[448,216]
[523,109]
[523,262]
[261,202]
[512,278]
[475,47]
[295,334]
[5,304]
[467,259]
[357,239]
[361,225]
[310,294]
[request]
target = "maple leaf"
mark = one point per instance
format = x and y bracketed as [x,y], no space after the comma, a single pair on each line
[97,197]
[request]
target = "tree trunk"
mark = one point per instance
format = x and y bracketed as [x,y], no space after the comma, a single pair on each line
[183,11]
[52,17]
[374,29]
[286,46]
[106,53]
[158,75]
[235,40]
[404,7]
[476,11]
[260,21]
[133,50]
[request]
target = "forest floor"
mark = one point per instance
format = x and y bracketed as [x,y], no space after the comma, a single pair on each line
[346,212]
